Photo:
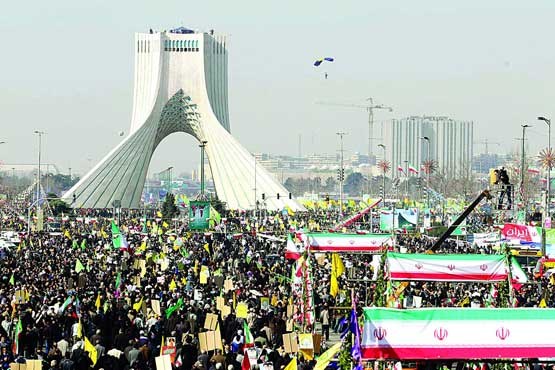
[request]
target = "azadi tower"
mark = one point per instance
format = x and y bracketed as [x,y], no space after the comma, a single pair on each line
[180,86]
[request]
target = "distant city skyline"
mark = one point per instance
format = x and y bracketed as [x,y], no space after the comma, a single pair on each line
[490,63]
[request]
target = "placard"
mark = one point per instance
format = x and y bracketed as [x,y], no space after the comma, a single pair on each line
[317,342]
[306,341]
[203,277]
[228,285]
[226,310]
[210,340]
[289,325]
[163,362]
[290,344]
[264,303]
[241,311]
[289,310]
[211,321]
[155,304]
[220,302]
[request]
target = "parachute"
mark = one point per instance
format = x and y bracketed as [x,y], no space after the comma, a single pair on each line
[320,61]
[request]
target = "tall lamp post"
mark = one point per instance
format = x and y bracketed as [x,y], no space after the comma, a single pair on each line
[427,139]
[39,133]
[202,148]
[341,171]
[548,188]
[522,165]
[383,174]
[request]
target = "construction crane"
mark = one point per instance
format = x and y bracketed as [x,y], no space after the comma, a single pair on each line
[486,142]
[370,109]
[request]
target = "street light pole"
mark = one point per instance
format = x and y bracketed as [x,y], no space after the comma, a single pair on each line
[522,165]
[40,133]
[202,147]
[383,174]
[427,139]
[341,171]
[548,188]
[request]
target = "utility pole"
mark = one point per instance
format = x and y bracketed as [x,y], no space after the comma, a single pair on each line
[39,133]
[341,171]
[427,139]
[522,166]
[406,178]
[383,174]
[202,148]
[546,214]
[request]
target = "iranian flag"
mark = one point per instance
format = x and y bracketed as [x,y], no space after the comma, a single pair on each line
[332,242]
[458,333]
[413,170]
[18,330]
[452,267]
[291,251]
[400,169]
[249,340]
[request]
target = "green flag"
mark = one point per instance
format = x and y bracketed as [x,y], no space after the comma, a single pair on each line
[79,266]
[83,244]
[12,280]
[118,280]
[174,308]
[117,237]
[65,304]
[74,244]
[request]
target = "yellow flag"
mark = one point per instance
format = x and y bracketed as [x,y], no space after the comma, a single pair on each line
[337,269]
[103,234]
[91,351]
[159,214]
[542,303]
[334,286]
[173,285]
[137,306]
[67,234]
[207,248]
[142,248]
[165,224]
[326,357]
[79,329]
[292,365]
[337,264]
[97,303]
[466,300]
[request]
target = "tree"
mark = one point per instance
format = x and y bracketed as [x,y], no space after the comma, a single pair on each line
[57,205]
[169,209]
[354,183]
[331,183]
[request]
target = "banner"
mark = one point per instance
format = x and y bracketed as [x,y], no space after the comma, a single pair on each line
[399,219]
[452,267]
[199,214]
[482,239]
[458,333]
[330,242]
[523,233]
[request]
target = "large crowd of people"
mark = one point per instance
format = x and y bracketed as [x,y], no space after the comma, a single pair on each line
[61,292]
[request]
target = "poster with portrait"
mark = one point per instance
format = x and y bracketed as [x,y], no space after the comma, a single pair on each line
[199,214]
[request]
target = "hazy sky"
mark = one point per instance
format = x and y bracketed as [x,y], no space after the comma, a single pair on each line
[66,68]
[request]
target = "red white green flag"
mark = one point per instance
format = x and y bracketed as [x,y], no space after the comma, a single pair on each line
[15,345]
[452,267]
[458,333]
[249,340]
